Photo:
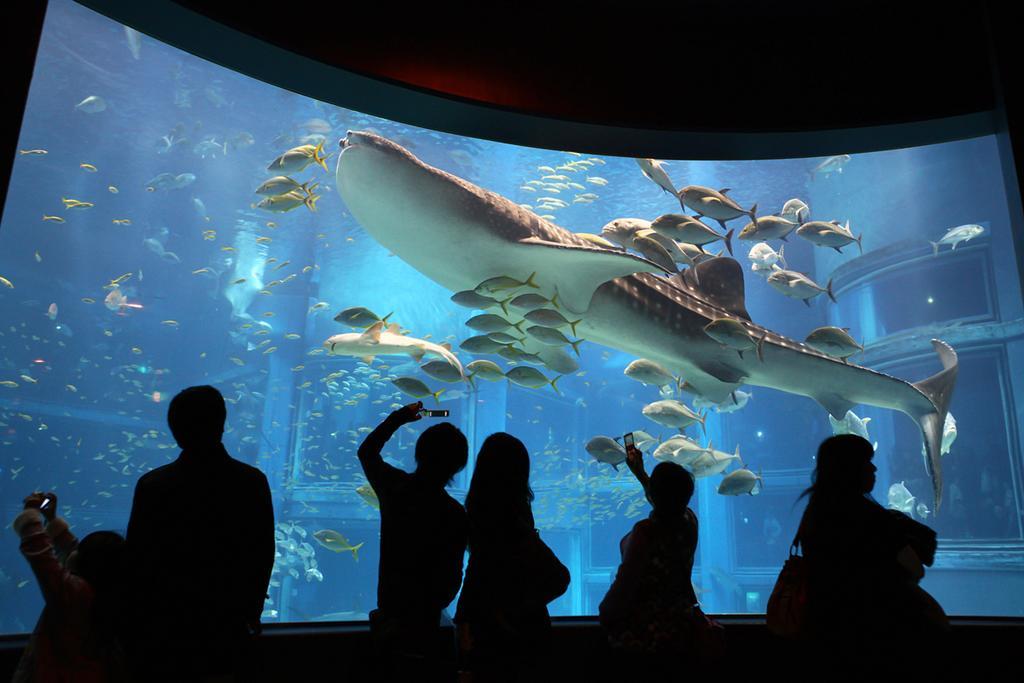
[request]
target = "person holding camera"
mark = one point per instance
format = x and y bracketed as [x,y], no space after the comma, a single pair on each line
[650,614]
[76,637]
[422,545]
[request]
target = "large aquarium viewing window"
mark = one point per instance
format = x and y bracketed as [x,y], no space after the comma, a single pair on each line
[150,242]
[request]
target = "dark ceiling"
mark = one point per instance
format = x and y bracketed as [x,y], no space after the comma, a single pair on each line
[725,65]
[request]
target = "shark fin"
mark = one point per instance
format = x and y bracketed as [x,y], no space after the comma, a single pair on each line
[938,389]
[718,281]
[417,354]
[372,332]
[367,359]
[577,272]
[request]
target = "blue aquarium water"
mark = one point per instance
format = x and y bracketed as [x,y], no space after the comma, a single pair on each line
[136,262]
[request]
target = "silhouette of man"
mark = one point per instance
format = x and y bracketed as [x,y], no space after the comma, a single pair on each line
[422,544]
[202,533]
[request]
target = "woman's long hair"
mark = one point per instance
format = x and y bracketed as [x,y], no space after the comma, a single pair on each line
[838,477]
[499,496]
[102,563]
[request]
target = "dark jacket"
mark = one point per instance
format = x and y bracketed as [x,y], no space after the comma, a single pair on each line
[858,588]
[66,644]
[202,534]
[422,536]
[511,577]
[649,606]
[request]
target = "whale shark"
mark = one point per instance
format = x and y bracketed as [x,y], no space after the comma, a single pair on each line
[459,235]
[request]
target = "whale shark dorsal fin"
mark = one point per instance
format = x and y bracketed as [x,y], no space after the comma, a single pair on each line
[718,281]
[577,271]
[373,331]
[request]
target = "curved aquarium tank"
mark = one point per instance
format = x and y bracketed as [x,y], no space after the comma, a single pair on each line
[172,223]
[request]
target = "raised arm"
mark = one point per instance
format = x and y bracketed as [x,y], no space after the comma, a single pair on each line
[635,463]
[378,472]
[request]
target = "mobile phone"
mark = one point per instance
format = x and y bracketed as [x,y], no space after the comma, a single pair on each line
[433,413]
[627,439]
[46,501]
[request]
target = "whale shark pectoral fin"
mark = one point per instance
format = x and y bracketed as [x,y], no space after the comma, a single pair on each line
[835,404]
[577,271]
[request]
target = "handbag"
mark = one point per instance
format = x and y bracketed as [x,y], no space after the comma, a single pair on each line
[787,606]
[709,635]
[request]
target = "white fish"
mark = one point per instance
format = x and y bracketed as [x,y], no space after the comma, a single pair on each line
[740,482]
[955,236]
[833,164]
[652,168]
[649,372]
[92,104]
[900,498]
[764,256]
[795,210]
[621,231]
[712,462]
[378,341]
[948,435]
[829,234]
[851,424]
[681,450]
[798,286]
[833,341]
[671,413]
[607,450]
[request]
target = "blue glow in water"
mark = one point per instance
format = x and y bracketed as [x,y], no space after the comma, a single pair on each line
[215,291]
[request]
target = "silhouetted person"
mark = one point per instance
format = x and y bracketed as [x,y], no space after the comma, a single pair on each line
[422,545]
[202,534]
[649,612]
[82,584]
[865,609]
[502,616]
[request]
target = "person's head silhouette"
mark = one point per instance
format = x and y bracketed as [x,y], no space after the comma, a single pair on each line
[844,468]
[441,453]
[196,417]
[670,489]
[499,493]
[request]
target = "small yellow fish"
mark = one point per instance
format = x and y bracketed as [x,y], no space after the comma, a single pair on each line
[112,189]
[32,151]
[236,361]
[270,350]
[264,291]
[120,278]
[121,221]
[88,300]
[227,248]
[9,383]
[55,219]
[30,380]
[6,283]
[169,323]
[271,224]
[272,259]
[87,167]
[74,203]
[306,269]
[319,306]
[268,314]
[39,259]
[264,240]
[239,281]
[150,188]
[136,350]
[292,335]
[283,264]
[305,385]
[298,368]
[200,271]
[72,388]
[108,333]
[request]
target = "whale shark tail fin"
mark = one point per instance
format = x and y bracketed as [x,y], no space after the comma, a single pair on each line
[938,389]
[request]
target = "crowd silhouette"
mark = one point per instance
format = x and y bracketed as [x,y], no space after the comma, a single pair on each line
[179,598]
